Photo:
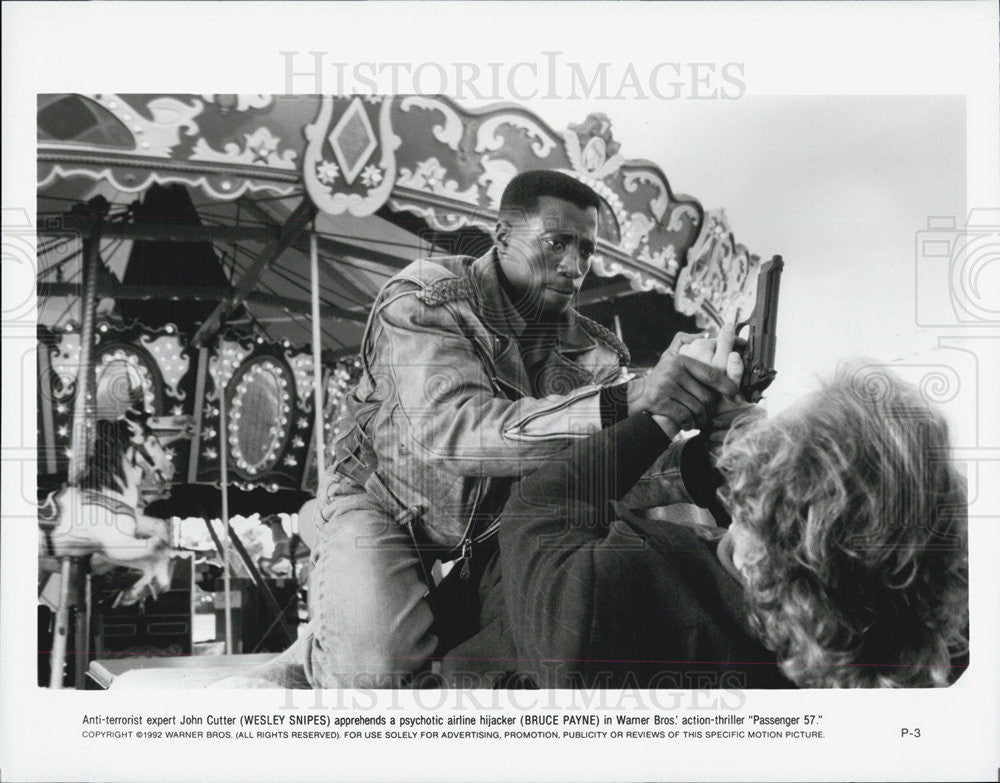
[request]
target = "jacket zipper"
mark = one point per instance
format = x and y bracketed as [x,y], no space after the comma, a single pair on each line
[467,543]
[466,556]
[466,571]
[467,538]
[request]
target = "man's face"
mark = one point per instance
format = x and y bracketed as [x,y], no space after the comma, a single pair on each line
[546,255]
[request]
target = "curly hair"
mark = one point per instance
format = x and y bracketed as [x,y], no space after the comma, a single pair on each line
[852,525]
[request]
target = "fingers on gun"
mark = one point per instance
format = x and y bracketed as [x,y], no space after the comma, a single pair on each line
[673,395]
[681,339]
[684,398]
[734,367]
[727,350]
[713,377]
[703,395]
[684,409]
[724,344]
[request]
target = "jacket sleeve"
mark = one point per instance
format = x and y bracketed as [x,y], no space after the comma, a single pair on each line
[441,379]
[684,473]
[561,570]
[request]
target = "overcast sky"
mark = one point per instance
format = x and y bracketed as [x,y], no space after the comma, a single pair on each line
[839,186]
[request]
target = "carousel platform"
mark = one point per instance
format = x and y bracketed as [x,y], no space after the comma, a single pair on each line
[181,672]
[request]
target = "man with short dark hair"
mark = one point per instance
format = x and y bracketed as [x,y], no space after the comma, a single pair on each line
[476,372]
[541,217]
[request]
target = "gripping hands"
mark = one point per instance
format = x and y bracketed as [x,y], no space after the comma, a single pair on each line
[682,391]
[719,353]
[695,385]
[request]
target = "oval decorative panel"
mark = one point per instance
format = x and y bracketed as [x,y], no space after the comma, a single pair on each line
[260,415]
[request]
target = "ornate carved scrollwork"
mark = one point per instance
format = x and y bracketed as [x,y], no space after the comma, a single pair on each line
[719,281]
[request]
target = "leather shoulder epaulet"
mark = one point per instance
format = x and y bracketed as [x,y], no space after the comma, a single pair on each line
[442,291]
[605,335]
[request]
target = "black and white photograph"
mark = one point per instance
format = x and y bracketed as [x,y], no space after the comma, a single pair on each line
[452,258]
[441,402]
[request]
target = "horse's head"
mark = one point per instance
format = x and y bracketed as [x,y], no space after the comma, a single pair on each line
[146,452]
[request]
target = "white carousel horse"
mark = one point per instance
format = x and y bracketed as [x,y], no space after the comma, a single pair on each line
[103,516]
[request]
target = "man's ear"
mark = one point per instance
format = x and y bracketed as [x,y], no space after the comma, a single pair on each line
[501,234]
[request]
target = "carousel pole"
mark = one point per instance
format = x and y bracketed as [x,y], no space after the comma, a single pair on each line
[83,428]
[83,406]
[224,481]
[317,352]
[58,657]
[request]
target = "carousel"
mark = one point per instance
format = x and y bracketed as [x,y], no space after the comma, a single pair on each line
[206,264]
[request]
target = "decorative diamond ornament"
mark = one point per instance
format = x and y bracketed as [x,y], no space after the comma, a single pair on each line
[353,140]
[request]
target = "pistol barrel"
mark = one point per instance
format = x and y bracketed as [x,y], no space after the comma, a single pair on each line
[759,358]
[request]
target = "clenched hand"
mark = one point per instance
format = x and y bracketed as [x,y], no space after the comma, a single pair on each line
[681,392]
[719,354]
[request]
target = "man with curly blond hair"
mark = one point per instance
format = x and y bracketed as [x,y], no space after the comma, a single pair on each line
[849,532]
[845,563]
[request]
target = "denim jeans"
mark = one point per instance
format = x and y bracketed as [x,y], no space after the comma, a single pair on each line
[370,621]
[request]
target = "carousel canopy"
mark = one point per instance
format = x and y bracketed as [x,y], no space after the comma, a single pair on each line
[389,178]
[205,207]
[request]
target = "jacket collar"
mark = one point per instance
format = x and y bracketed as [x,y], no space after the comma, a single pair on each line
[502,317]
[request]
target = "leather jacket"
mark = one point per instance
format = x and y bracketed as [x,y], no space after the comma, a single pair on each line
[447,415]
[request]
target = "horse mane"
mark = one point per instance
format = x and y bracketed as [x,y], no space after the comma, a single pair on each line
[105,468]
